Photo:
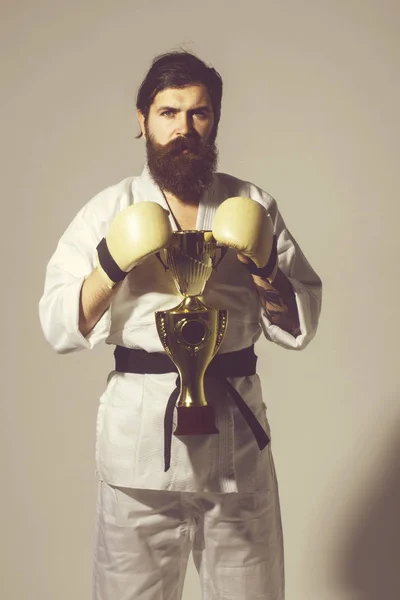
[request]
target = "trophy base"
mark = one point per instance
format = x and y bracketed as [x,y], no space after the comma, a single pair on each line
[195,420]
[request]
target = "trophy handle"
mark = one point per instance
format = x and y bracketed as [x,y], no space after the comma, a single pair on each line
[224,250]
[158,255]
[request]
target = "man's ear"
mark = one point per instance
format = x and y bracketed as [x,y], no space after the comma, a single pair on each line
[141,120]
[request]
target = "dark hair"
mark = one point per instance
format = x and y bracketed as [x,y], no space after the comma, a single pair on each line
[179,69]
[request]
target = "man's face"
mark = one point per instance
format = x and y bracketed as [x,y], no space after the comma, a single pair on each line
[182,111]
[181,153]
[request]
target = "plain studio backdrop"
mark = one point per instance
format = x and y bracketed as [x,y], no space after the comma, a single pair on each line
[311,114]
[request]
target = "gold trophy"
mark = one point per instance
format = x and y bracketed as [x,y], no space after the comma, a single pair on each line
[192,332]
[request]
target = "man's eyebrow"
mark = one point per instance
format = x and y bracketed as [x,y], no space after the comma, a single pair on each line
[204,108]
[160,108]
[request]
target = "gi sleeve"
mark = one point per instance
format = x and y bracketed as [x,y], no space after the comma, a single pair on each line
[73,260]
[306,284]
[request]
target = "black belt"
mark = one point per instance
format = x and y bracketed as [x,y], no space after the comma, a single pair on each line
[230,364]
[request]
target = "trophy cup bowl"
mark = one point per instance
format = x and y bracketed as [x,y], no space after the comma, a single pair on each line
[192,332]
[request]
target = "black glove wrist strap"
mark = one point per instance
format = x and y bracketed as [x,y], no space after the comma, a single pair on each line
[108,264]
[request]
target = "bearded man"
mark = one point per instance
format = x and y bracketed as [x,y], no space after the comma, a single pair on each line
[161,497]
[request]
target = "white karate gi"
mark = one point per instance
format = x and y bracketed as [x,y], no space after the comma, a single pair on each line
[130,422]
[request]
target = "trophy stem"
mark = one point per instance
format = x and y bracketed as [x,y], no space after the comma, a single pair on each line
[195,415]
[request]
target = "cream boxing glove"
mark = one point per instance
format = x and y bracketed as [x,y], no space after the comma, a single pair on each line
[245,225]
[135,233]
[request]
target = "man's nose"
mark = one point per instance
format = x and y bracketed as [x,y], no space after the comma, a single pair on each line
[185,124]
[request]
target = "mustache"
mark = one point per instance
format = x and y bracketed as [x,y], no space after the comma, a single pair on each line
[192,143]
[185,143]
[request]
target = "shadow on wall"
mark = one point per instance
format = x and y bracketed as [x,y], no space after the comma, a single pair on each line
[369,558]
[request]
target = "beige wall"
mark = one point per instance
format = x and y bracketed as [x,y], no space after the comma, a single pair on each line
[311,113]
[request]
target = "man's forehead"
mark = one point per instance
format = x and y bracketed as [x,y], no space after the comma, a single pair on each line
[190,95]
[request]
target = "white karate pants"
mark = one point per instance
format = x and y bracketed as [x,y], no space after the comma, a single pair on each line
[144,538]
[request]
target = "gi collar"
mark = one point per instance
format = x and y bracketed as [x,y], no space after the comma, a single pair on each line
[149,191]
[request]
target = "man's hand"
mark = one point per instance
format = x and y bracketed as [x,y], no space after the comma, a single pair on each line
[136,232]
[244,224]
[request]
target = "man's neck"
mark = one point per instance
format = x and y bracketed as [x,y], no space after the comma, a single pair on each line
[184,212]
[178,201]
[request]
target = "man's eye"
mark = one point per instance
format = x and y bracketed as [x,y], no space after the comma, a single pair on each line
[167,113]
[200,114]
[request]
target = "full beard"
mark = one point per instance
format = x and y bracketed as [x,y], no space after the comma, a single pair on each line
[186,175]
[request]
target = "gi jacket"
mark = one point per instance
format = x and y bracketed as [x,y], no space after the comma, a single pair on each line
[130,426]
